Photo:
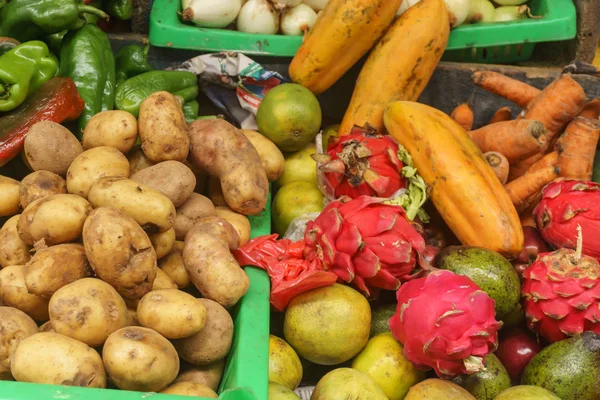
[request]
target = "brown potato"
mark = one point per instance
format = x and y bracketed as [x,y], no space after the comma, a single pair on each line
[120,252]
[271,157]
[172,265]
[163,281]
[209,263]
[172,313]
[53,267]
[13,250]
[114,128]
[140,359]
[14,293]
[200,174]
[152,210]
[213,342]
[209,375]
[40,184]
[51,147]
[92,165]
[55,359]
[172,178]
[138,160]
[132,314]
[163,242]
[47,327]
[55,219]
[215,194]
[190,212]
[191,389]
[238,221]
[162,127]
[15,326]
[223,151]
[9,201]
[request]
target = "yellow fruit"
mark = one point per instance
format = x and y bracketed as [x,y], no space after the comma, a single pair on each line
[280,392]
[285,367]
[383,360]
[328,325]
[328,133]
[345,384]
[292,201]
[437,389]
[300,166]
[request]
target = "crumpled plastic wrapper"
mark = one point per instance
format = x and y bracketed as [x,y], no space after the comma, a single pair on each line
[296,229]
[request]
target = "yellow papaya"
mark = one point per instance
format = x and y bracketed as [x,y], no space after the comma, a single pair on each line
[344,31]
[400,65]
[464,188]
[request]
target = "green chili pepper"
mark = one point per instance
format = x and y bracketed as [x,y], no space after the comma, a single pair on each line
[132,92]
[23,70]
[93,18]
[122,9]
[86,57]
[31,19]
[54,41]
[130,61]
[190,111]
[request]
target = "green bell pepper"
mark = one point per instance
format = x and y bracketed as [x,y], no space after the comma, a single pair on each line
[134,91]
[87,58]
[23,70]
[121,9]
[54,41]
[130,61]
[93,18]
[190,111]
[31,19]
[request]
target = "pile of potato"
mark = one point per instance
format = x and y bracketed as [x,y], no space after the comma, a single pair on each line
[119,257]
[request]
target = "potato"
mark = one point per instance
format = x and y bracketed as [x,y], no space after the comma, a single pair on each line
[52,358]
[47,327]
[163,242]
[172,313]
[238,221]
[172,265]
[55,219]
[224,152]
[88,310]
[120,252]
[14,293]
[200,174]
[213,342]
[270,156]
[140,359]
[9,201]
[51,147]
[92,165]
[190,212]
[172,178]
[209,375]
[114,128]
[163,281]
[53,267]
[209,263]
[13,250]
[40,184]
[152,210]
[138,160]
[191,389]
[163,131]
[132,314]
[215,194]
[15,326]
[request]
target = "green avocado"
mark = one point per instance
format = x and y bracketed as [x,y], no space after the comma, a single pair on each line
[486,384]
[380,318]
[526,392]
[569,368]
[493,273]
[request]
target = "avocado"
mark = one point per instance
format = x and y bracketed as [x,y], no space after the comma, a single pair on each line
[486,384]
[569,368]
[493,273]
[380,318]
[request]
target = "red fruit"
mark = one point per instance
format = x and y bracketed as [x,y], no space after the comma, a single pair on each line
[532,247]
[364,162]
[445,322]
[517,347]
[366,242]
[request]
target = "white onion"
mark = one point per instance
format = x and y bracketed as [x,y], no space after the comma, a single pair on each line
[457,11]
[282,4]
[481,11]
[258,16]
[210,13]
[298,20]
[510,13]
[316,5]
[406,4]
[510,2]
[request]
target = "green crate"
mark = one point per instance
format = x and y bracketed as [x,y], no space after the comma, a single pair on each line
[497,43]
[246,371]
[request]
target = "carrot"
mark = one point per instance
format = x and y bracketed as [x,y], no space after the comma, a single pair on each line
[511,89]
[527,217]
[549,160]
[499,164]
[516,139]
[463,115]
[578,149]
[522,188]
[501,114]
[591,110]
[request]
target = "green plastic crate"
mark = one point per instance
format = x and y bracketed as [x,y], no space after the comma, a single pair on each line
[503,42]
[246,371]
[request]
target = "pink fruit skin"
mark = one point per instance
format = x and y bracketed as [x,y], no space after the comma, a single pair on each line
[517,347]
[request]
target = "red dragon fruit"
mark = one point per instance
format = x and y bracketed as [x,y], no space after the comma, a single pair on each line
[365,241]
[445,322]
[565,205]
[364,162]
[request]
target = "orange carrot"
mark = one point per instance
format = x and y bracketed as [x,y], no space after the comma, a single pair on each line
[501,114]
[549,160]
[499,164]
[463,115]
[522,188]
[527,216]
[578,148]
[511,89]
[516,139]
[591,110]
